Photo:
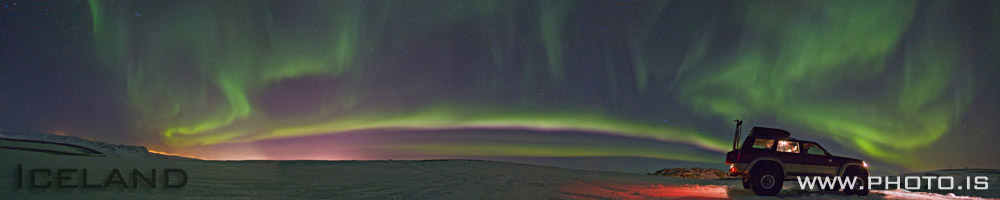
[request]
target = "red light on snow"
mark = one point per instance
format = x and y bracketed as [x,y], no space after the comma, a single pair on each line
[582,190]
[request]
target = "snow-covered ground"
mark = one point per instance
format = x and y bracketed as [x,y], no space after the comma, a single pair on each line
[960,175]
[433,179]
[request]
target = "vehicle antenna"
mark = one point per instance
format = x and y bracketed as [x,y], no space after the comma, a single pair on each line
[736,140]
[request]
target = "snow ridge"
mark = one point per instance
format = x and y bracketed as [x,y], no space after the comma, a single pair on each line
[110,150]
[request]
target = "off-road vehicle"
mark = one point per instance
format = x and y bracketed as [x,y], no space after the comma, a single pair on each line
[769,156]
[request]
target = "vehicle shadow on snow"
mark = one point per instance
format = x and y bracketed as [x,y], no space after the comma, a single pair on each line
[740,192]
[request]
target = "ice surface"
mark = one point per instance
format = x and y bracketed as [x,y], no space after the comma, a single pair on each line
[431,179]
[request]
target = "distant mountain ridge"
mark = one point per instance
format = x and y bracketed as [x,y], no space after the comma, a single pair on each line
[110,150]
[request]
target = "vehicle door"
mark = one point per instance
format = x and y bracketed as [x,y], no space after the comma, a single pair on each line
[816,161]
[788,152]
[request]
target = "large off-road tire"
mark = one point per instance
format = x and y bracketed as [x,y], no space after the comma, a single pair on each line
[766,181]
[861,181]
[746,183]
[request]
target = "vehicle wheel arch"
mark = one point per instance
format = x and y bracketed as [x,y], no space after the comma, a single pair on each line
[848,166]
[767,161]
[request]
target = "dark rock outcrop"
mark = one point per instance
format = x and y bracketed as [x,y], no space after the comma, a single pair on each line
[693,173]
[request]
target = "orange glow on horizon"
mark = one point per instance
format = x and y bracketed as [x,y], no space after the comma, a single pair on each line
[174,154]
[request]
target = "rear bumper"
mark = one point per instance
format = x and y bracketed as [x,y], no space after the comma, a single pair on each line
[738,169]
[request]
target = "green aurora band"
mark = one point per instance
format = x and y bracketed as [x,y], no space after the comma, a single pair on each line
[197,71]
[788,66]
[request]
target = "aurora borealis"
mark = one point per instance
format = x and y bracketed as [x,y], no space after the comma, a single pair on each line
[899,83]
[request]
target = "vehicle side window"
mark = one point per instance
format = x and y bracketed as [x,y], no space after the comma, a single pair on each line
[788,146]
[763,143]
[813,148]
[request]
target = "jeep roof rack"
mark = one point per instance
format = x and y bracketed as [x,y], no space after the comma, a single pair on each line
[765,132]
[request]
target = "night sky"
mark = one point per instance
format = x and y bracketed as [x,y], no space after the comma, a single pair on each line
[905,85]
